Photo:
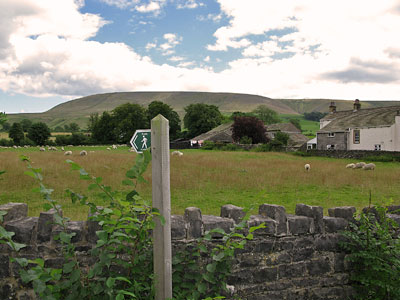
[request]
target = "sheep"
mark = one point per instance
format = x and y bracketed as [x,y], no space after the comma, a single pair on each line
[307,167]
[369,166]
[62,148]
[108,148]
[68,153]
[83,153]
[114,147]
[42,149]
[350,166]
[359,165]
[178,153]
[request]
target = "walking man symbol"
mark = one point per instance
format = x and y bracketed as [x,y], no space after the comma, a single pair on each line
[144,142]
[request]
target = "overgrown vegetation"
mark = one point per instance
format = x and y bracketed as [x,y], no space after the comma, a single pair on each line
[373,245]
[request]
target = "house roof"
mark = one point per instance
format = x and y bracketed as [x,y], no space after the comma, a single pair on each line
[370,117]
[222,133]
[297,140]
[283,127]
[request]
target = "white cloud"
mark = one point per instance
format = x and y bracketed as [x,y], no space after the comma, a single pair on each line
[176,58]
[189,4]
[150,46]
[122,4]
[149,7]
[207,59]
[172,40]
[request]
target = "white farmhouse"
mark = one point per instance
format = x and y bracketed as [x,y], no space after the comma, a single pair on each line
[360,129]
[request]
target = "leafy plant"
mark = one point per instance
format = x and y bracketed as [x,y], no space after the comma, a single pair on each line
[374,254]
[202,269]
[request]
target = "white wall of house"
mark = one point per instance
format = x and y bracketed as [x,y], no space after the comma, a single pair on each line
[371,137]
[396,133]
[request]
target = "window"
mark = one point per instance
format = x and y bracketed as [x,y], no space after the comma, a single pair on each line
[331,134]
[356,136]
[378,147]
[330,147]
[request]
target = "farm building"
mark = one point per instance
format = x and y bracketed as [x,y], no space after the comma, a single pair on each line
[360,129]
[223,134]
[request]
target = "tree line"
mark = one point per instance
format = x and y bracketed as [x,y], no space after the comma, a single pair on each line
[118,125]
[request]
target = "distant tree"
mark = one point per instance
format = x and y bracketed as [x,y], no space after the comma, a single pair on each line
[157,107]
[280,140]
[295,122]
[16,133]
[249,127]
[265,114]
[3,118]
[73,127]
[26,124]
[93,119]
[127,118]
[314,116]
[200,118]
[6,126]
[66,128]
[103,130]
[39,133]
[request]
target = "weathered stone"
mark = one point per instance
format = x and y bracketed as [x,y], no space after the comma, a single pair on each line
[339,265]
[7,291]
[292,270]
[14,211]
[266,274]
[392,209]
[303,254]
[23,228]
[194,222]
[54,262]
[318,266]
[300,225]
[213,222]
[178,230]
[270,225]
[4,266]
[76,227]
[394,217]
[327,243]
[334,224]
[92,227]
[277,213]
[265,247]
[345,212]
[233,212]
[315,212]
[45,225]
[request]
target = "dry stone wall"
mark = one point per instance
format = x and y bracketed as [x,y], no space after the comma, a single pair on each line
[294,257]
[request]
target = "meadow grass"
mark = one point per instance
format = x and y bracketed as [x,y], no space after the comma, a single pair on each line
[205,179]
[3,135]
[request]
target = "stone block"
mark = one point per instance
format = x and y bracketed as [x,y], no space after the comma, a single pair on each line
[318,266]
[300,225]
[392,209]
[194,223]
[45,225]
[270,225]
[24,229]
[394,217]
[315,212]
[76,227]
[4,266]
[302,254]
[233,212]
[14,211]
[178,228]
[328,242]
[92,227]
[277,213]
[345,212]
[333,225]
[213,222]
[292,270]
[266,274]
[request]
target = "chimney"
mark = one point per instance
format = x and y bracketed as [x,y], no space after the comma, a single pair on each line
[332,107]
[356,105]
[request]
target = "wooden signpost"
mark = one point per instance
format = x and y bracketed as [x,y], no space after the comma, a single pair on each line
[161,201]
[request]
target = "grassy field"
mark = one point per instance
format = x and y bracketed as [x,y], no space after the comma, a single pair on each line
[205,179]
[309,128]
[3,135]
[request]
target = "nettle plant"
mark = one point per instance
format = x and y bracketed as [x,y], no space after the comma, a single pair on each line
[123,254]
[373,247]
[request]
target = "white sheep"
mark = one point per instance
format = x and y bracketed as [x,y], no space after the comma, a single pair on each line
[178,153]
[359,165]
[114,147]
[62,148]
[42,149]
[370,166]
[108,148]
[307,167]
[350,166]
[68,153]
[83,153]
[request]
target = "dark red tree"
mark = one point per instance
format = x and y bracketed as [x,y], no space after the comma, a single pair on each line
[251,127]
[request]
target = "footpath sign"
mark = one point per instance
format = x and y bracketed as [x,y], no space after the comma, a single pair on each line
[141,140]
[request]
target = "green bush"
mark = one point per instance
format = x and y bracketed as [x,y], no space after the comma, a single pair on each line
[374,255]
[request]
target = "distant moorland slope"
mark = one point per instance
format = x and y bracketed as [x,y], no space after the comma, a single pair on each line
[79,110]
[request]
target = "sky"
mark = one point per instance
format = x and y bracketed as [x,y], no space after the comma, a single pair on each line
[52,51]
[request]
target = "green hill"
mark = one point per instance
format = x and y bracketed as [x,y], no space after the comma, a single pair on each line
[79,110]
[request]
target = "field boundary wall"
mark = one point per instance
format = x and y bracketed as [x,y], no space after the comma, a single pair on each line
[294,257]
